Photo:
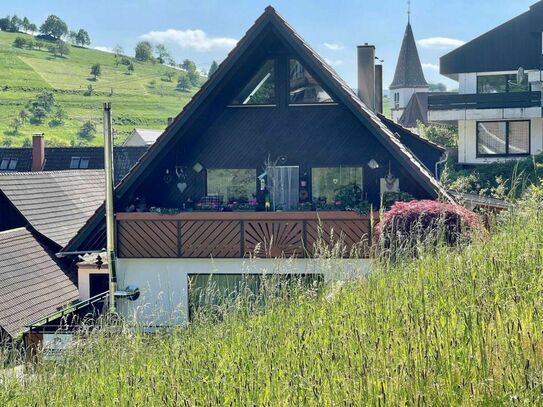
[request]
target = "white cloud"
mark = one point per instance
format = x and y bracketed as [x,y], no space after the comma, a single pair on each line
[105,49]
[433,67]
[195,39]
[333,62]
[440,43]
[333,46]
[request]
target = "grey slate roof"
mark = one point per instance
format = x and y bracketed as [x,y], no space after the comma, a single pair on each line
[32,284]
[513,44]
[55,204]
[408,69]
[415,111]
[59,158]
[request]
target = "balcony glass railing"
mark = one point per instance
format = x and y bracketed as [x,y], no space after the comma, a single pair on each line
[484,101]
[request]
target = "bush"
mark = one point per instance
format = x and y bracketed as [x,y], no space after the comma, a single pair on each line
[19,42]
[426,223]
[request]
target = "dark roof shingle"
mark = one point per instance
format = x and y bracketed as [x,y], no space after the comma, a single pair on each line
[408,69]
[33,284]
[56,204]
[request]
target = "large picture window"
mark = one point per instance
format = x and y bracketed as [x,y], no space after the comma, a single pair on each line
[303,87]
[503,138]
[326,182]
[502,84]
[231,185]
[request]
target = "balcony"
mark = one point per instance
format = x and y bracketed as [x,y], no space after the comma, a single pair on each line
[484,106]
[484,101]
[242,234]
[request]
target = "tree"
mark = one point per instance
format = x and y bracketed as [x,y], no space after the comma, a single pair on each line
[19,42]
[96,71]
[442,134]
[87,132]
[118,53]
[38,115]
[82,38]
[437,87]
[72,37]
[54,27]
[60,48]
[188,65]
[23,116]
[58,118]
[5,24]
[6,142]
[25,23]
[183,84]
[162,53]
[15,23]
[213,68]
[168,75]
[144,51]
[89,90]
[27,143]
[15,124]
[32,28]
[45,99]
[194,77]
[130,68]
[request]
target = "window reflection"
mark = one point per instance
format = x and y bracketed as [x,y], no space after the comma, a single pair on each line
[303,87]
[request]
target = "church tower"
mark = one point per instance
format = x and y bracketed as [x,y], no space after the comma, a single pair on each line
[408,77]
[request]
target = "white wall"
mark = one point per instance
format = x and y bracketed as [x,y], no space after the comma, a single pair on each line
[467,83]
[405,97]
[467,144]
[163,283]
[83,280]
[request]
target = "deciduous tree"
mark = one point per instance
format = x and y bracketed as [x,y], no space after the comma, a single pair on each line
[54,26]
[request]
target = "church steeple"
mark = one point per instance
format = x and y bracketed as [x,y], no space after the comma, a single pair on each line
[408,69]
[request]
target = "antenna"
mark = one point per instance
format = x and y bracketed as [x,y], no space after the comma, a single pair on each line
[408,11]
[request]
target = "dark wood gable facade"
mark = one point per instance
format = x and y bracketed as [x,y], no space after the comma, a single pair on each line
[273,99]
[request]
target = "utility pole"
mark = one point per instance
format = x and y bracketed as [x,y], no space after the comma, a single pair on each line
[110,215]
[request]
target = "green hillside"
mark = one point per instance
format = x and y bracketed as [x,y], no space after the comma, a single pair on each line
[145,98]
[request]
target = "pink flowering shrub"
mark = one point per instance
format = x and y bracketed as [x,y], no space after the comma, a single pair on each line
[408,224]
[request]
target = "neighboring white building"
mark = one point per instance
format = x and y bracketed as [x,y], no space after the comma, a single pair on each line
[408,77]
[142,137]
[498,105]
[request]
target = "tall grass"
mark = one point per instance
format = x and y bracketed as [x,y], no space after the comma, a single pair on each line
[452,327]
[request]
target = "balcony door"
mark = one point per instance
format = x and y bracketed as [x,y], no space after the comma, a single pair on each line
[284,184]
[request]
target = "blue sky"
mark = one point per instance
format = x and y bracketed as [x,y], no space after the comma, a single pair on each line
[204,30]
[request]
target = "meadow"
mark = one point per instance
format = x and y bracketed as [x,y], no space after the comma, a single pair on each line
[144,99]
[455,326]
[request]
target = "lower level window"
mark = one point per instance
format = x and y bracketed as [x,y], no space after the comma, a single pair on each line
[328,182]
[503,138]
[231,185]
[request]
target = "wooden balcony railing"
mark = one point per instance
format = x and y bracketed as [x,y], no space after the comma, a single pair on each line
[241,234]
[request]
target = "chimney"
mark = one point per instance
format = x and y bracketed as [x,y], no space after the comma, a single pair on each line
[38,152]
[379,89]
[366,75]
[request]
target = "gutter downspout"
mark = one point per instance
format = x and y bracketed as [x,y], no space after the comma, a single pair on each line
[110,215]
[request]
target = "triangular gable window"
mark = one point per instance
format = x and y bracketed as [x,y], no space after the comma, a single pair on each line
[304,89]
[260,90]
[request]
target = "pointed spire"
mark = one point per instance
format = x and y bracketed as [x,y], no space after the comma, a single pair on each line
[408,11]
[408,69]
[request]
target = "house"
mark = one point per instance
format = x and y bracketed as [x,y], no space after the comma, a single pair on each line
[498,108]
[40,212]
[42,158]
[408,81]
[273,146]
[142,137]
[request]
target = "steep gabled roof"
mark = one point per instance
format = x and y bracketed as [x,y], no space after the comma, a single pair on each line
[513,44]
[408,68]
[148,135]
[322,72]
[32,283]
[55,204]
[415,111]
